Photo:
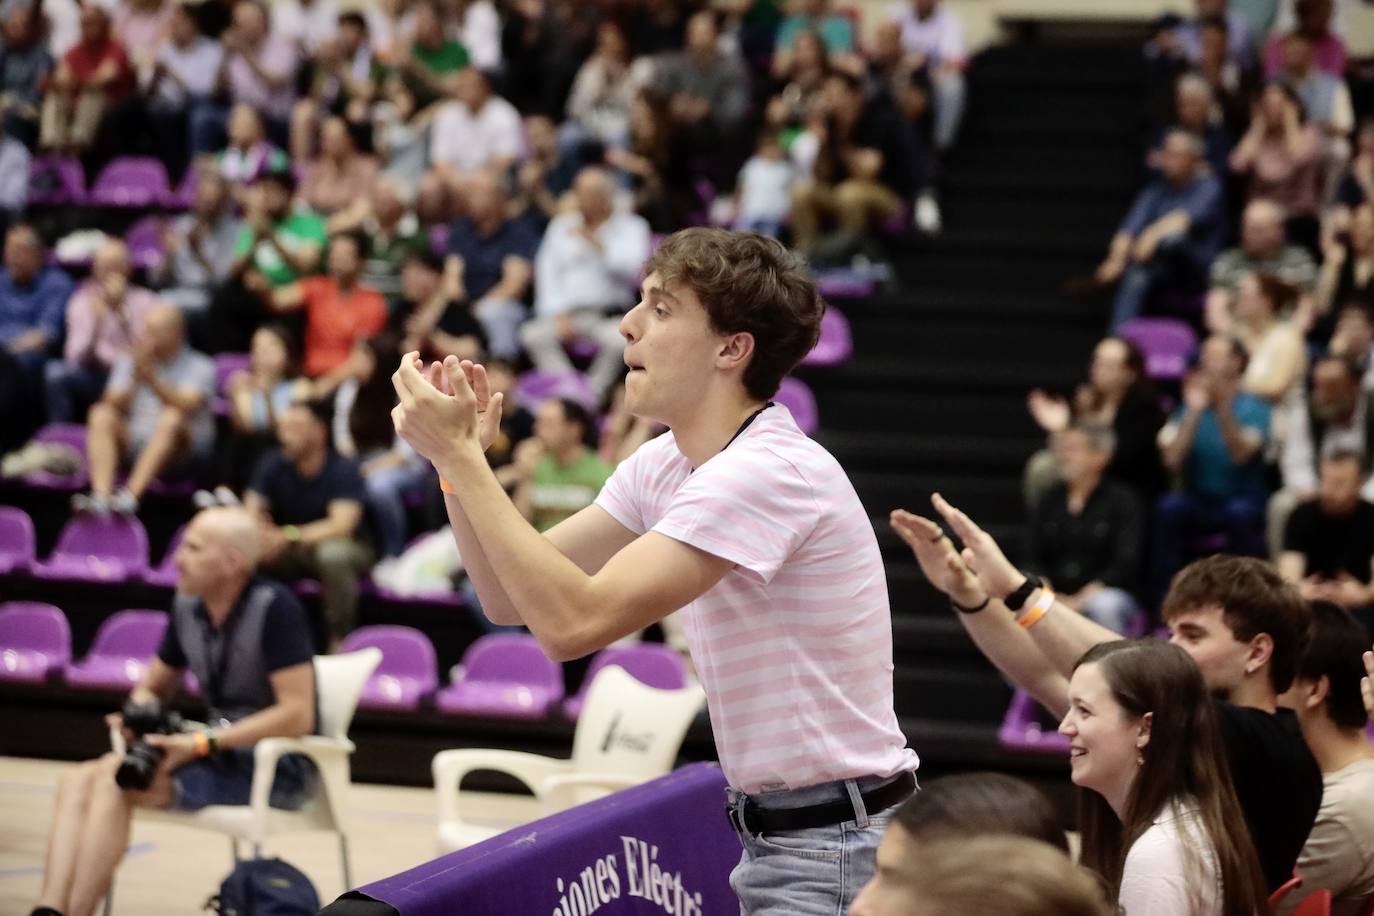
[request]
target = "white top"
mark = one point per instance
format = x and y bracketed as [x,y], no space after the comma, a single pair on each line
[571,273]
[481,35]
[765,186]
[794,645]
[195,68]
[307,26]
[470,142]
[1172,869]
[940,36]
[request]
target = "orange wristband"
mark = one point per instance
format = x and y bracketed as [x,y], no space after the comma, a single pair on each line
[447,487]
[1039,609]
[202,742]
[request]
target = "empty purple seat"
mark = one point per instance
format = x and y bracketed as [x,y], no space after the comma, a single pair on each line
[1166,343]
[35,641]
[16,540]
[72,435]
[408,672]
[649,663]
[797,398]
[119,656]
[165,573]
[835,346]
[1021,731]
[130,181]
[535,387]
[504,675]
[144,239]
[56,181]
[93,548]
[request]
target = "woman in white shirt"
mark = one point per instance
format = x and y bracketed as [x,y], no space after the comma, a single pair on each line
[1160,820]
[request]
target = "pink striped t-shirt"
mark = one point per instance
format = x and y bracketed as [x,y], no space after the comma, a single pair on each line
[794,645]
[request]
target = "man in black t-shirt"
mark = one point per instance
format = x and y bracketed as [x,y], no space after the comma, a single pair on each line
[1328,546]
[309,503]
[247,641]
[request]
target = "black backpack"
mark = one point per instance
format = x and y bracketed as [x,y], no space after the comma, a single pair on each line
[265,887]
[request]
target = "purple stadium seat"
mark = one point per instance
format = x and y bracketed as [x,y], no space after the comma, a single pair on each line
[130,181]
[16,540]
[649,663]
[35,641]
[836,345]
[184,197]
[535,387]
[70,434]
[1166,343]
[165,573]
[408,672]
[56,181]
[797,398]
[504,675]
[1021,732]
[845,284]
[92,548]
[144,239]
[120,653]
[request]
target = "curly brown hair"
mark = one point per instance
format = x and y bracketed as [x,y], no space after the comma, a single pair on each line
[748,283]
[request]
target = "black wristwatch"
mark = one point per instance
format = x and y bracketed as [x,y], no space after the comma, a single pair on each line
[1017,599]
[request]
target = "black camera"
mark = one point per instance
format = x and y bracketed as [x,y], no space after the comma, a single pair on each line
[141,759]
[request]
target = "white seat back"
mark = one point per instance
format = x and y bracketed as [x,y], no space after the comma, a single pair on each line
[339,681]
[629,728]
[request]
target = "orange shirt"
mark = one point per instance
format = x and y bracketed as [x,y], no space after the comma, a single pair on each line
[335,322]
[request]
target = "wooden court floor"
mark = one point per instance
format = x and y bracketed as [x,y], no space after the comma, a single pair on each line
[171,870]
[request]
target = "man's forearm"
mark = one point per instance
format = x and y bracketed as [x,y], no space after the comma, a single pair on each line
[280,720]
[1014,653]
[1177,451]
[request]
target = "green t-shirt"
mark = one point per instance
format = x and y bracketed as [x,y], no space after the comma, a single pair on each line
[294,232]
[558,492]
[450,57]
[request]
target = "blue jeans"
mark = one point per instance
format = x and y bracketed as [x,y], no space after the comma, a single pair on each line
[386,492]
[1172,267]
[813,872]
[227,779]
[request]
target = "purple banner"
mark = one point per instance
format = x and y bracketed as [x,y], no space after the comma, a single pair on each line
[665,847]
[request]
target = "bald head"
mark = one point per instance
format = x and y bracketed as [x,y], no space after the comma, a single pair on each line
[165,330]
[594,192]
[232,530]
[112,257]
[218,552]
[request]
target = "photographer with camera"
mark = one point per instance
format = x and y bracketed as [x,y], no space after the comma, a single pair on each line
[248,643]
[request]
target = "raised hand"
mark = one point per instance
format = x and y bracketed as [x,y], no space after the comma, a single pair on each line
[981,553]
[1049,412]
[938,559]
[437,412]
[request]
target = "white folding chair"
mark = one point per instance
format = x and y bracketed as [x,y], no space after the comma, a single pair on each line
[628,733]
[339,680]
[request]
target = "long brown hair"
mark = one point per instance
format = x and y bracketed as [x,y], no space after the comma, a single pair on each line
[1183,760]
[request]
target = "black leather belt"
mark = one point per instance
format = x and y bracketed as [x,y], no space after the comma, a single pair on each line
[752,819]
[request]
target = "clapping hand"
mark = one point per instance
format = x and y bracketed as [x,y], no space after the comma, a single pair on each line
[938,559]
[1050,412]
[998,577]
[444,405]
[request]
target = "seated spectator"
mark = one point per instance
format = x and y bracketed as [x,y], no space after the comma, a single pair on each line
[1334,417]
[181,77]
[24,68]
[155,416]
[799,79]
[432,59]
[1008,875]
[309,25]
[1348,270]
[33,305]
[258,70]
[763,193]
[1087,535]
[905,78]
[1244,628]
[1354,339]
[393,233]
[1326,698]
[1172,233]
[438,320]
[1313,24]
[401,133]
[339,312]
[474,131]
[275,248]
[1278,358]
[708,97]
[1117,395]
[249,154]
[15,165]
[347,77]
[308,502]
[561,475]
[1240,47]
[266,690]
[604,88]
[836,30]
[1262,250]
[584,277]
[479,28]
[91,78]
[1215,440]
[656,165]
[198,247]
[494,253]
[337,181]
[104,317]
[1196,111]
[546,177]
[1356,185]
[141,26]
[933,35]
[261,394]
[1234,85]
[1326,102]
[861,172]
[1328,543]
[1280,157]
